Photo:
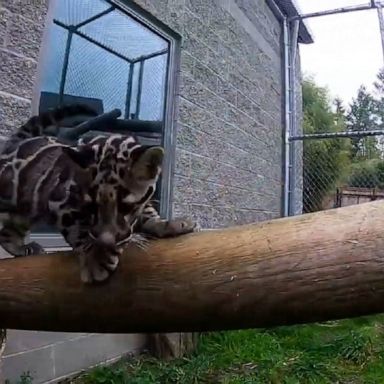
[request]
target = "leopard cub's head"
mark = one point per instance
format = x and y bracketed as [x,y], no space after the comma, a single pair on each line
[124,177]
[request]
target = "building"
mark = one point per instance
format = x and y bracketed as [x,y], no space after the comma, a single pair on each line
[207,74]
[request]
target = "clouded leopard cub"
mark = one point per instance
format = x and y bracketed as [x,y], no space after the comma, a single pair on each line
[97,193]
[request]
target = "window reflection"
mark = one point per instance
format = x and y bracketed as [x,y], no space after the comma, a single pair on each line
[98,52]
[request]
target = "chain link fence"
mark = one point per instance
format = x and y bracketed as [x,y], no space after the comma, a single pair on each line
[340,171]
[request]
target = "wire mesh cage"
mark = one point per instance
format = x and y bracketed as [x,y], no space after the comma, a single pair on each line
[342,171]
[96,50]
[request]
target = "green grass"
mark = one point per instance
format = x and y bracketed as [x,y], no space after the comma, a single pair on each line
[348,351]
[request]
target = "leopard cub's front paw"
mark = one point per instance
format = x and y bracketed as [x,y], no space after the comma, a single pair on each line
[182,226]
[97,269]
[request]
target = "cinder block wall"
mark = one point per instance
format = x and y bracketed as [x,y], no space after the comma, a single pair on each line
[21,28]
[229,139]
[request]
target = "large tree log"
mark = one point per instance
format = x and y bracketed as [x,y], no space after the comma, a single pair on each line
[320,266]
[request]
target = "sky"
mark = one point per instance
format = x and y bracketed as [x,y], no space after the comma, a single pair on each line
[347,51]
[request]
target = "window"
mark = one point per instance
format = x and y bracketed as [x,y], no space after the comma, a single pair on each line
[105,54]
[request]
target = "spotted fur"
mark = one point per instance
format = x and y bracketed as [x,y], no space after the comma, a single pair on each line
[97,193]
[124,178]
[41,179]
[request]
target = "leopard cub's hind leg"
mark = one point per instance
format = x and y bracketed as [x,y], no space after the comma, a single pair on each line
[12,237]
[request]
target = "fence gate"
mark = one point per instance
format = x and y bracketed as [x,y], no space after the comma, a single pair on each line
[330,170]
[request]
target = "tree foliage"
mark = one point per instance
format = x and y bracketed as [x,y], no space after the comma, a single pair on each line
[363,116]
[367,174]
[326,159]
[330,163]
[367,113]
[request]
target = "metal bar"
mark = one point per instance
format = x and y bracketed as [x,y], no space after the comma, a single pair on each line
[167,76]
[150,56]
[295,37]
[293,109]
[287,118]
[129,92]
[94,124]
[381,24]
[333,135]
[171,89]
[281,18]
[148,127]
[275,10]
[139,89]
[144,17]
[165,177]
[91,40]
[95,17]
[65,65]
[354,8]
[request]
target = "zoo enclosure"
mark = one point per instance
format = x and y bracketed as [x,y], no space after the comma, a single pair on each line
[318,179]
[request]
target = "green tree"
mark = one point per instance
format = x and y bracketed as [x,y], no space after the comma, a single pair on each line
[367,174]
[339,107]
[367,113]
[379,83]
[363,116]
[379,93]
[325,160]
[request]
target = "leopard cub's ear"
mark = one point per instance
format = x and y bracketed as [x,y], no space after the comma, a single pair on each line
[147,162]
[83,157]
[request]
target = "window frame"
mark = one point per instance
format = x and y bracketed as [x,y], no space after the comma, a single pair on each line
[54,241]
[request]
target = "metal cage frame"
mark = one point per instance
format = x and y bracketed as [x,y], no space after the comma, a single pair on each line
[292,136]
[74,30]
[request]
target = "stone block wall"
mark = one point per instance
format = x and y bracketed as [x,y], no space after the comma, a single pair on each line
[21,30]
[229,123]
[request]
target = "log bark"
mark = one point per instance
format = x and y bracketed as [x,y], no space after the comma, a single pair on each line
[319,266]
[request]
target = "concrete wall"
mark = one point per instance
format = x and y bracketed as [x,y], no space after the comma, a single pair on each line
[49,356]
[229,139]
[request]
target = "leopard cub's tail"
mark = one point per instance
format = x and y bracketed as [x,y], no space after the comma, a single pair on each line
[38,125]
